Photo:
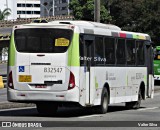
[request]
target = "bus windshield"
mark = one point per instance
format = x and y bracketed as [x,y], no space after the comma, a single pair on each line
[42,40]
[157,55]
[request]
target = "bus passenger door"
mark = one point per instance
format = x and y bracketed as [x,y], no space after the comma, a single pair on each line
[149,63]
[88,62]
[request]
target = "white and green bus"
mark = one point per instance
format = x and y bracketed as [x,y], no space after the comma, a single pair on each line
[79,63]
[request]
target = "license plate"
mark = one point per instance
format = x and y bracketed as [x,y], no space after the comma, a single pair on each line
[53,70]
[25,78]
[41,86]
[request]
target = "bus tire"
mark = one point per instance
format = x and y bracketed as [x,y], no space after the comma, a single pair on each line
[135,104]
[47,109]
[102,109]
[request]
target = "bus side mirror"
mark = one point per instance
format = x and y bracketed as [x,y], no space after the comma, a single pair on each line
[150,43]
[153,44]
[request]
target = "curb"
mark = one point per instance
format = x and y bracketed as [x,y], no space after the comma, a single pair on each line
[8,105]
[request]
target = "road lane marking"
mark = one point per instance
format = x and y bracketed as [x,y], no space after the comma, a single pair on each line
[90,116]
[151,108]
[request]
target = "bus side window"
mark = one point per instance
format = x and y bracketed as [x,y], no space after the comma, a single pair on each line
[109,50]
[140,52]
[99,51]
[131,52]
[120,52]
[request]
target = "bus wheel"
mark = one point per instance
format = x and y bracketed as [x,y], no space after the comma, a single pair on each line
[102,109]
[47,109]
[135,104]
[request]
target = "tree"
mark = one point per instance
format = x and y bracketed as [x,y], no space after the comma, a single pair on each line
[3,14]
[137,15]
[84,10]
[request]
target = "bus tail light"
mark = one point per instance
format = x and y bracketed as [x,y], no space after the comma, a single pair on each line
[10,81]
[71,84]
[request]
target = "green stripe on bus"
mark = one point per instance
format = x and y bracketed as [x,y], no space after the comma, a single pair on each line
[73,51]
[145,78]
[96,83]
[135,36]
[12,52]
[127,80]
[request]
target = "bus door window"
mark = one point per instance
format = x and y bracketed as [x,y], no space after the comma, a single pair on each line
[89,52]
[81,50]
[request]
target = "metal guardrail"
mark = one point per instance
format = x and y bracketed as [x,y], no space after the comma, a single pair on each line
[11,23]
[5,79]
[4,37]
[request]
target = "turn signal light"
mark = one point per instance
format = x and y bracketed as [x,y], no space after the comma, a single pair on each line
[71,84]
[10,81]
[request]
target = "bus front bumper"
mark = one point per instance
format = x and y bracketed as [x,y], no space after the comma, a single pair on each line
[156,77]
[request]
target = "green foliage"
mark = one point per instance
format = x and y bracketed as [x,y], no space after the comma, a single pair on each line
[137,15]
[3,14]
[131,15]
[84,10]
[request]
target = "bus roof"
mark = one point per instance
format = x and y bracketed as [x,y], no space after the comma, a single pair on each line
[88,24]
[93,28]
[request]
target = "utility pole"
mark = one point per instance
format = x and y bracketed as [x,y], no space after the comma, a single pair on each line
[97,10]
[53,7]
[7,6]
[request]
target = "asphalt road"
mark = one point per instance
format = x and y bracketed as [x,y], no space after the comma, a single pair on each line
[3,95]
[73,117]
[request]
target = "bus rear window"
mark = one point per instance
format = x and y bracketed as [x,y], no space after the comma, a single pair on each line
[40,40]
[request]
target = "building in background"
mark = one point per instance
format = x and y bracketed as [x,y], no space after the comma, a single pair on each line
[35,8]
[47,8]
[3,4]
[54,7]
[9,4]
[21,8]
[62,7]
[28,8]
